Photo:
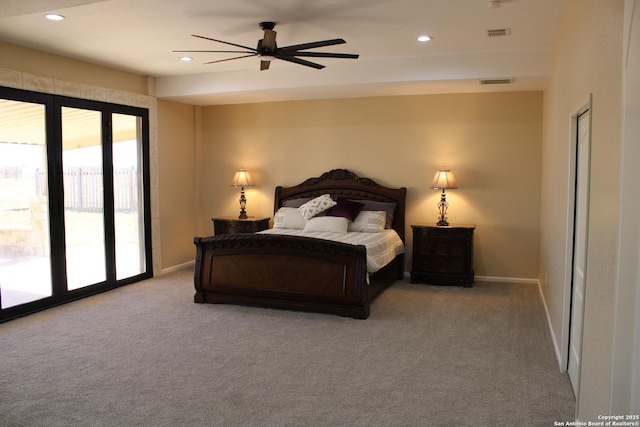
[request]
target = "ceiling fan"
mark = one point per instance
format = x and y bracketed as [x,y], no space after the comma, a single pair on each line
[268,50]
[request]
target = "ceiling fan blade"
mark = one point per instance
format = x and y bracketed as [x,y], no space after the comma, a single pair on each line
[215,51]
[311,45]
[264,65]
[300,61]
[269,40]
[229,59]
[320,55]
[222,41]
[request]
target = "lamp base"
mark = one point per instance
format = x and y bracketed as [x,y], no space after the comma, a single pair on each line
[243,203]
[442,208]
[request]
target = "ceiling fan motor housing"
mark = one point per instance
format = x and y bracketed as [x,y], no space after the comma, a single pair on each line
[267,45]
[264,50]
[267,25]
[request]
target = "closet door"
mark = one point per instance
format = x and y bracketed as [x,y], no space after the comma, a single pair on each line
[580,245]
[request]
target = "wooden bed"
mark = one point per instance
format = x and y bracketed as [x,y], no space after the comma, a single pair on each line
[300,273]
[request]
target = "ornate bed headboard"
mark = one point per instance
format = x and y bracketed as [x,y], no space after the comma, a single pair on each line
[344,183]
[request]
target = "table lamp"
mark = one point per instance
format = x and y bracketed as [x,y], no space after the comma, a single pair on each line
[443,179]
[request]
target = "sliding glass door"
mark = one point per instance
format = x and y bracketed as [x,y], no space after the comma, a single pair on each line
[128,190]
[74,199]
[25,265]
[83,197]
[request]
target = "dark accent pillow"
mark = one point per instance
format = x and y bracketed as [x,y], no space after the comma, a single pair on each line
[346,208]
[389,208]
[295,203]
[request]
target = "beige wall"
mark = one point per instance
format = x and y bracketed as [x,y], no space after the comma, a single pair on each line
[178,181]
[43,64]
[586,58]
[490,141]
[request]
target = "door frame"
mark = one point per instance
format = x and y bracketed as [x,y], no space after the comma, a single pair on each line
[585,105]
[53,104]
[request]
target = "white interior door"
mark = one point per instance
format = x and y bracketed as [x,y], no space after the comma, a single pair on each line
[583,143]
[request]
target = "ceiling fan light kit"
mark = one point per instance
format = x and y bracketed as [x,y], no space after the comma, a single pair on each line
[267,50]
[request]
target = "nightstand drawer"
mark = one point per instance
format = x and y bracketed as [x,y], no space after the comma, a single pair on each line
[441,247]
[442,264]
[447,233]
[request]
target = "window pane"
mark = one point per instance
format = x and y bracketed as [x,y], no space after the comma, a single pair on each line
[83,197]
[128,200]
[25,267]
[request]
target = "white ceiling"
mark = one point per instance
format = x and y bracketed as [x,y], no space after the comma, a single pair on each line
[141,35]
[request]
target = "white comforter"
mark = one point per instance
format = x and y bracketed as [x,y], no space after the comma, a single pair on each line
[382,247]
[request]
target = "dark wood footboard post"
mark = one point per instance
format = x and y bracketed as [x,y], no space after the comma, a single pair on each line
[197,274]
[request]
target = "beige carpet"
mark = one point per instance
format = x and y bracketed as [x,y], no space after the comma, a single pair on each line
[146,355]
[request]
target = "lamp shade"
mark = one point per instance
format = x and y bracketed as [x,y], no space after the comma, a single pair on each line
[241,179]
[444,179]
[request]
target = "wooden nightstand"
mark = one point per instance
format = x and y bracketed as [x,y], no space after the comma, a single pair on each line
[443,255]
[231,225]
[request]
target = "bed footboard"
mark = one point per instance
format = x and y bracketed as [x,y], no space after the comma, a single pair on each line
[288,272]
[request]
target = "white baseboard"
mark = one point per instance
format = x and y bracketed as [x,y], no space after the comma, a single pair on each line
[519,280]
[498,279]
[186,265]
[554,340]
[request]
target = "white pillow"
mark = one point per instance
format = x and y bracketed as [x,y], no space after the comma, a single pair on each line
[334,224]
[289,218]
[369,222]
[315,206]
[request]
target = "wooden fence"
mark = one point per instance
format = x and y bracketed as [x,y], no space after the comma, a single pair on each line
[83,189]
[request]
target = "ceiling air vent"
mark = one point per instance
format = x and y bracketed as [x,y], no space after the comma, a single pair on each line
[500,32]
[496,82]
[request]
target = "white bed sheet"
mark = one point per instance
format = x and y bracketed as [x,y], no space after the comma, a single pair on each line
[382,247]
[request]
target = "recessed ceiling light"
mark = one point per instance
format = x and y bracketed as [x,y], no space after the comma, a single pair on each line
[186,58]
[54,17]
[424,38]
